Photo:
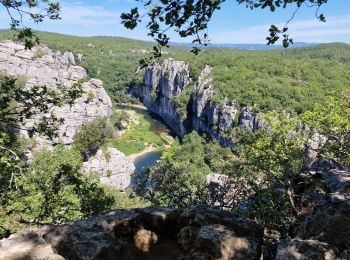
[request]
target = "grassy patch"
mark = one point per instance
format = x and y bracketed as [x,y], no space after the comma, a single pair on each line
[138,138]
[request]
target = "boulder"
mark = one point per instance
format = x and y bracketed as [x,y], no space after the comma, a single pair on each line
[329,223]
[219,242]
[151,233]
[113,166]
[296,249]
[27,246]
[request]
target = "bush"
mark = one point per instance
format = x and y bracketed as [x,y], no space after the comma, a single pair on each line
[92,136]
[54,190]
[90,96]
[39,53]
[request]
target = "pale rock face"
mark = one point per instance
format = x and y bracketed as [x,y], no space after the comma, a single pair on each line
[27,247]
[113,166]
[40,65]
[44,67]
[161,83]
[204,115]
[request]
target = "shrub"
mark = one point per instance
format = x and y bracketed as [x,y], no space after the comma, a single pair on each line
[39,53]
[92,136]
[54,190]
[90,96]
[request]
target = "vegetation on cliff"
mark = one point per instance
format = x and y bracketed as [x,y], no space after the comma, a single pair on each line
[51,187]
[263,165]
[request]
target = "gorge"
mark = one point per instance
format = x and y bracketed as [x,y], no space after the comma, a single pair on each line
[186,220]
[198,110]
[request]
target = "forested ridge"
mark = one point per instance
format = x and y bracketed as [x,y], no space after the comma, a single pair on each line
[293,79]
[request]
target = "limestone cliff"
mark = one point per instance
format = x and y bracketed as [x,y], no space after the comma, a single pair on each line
[163,82]
[44,67]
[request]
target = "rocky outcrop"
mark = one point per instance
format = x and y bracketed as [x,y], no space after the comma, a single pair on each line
[325,231]
[161,84]
[164,82]
[329,223]
[113,166]
[40,65]
[151,233]
[44,67]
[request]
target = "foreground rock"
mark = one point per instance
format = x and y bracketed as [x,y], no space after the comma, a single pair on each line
[329,223]
[152,233]
[113,166]
[305,250]
[325,232]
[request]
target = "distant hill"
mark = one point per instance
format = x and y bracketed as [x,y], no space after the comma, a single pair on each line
[327,51]
[247,46]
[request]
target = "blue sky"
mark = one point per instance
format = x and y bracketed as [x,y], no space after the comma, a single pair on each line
[232,24]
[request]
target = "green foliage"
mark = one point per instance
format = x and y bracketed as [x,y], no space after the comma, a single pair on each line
[330,51]
[90,96]
[118,118]
[332,120]
[138,137]
[179,179]
[294,79]
[92,136]
[107,154]
[181,102]
[125,200]
[39,53]
[54,190]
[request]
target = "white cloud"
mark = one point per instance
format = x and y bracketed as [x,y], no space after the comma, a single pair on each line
[335,29]
[81,14]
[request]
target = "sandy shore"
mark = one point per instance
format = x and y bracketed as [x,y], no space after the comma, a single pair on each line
[133,157]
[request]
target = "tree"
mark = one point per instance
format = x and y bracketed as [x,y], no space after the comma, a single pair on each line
[190,18]
[92,136]
[275,156]
[36,11]
[331,123]
[18,103]
[53,190]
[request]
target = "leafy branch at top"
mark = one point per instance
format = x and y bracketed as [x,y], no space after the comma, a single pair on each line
[24,11]
[190,18]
